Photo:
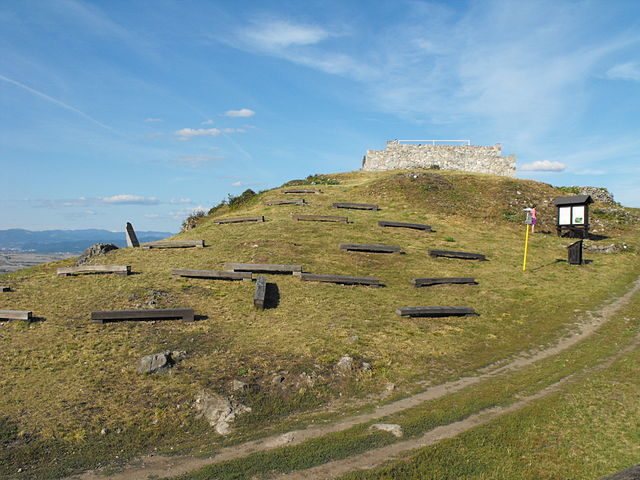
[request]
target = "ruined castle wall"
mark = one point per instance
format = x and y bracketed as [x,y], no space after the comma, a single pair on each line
[469,158]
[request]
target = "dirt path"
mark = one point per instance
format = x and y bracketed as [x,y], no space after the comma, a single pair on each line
[375,457]
[162,467]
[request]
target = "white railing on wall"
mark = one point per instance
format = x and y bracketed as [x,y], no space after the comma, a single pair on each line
[433,142]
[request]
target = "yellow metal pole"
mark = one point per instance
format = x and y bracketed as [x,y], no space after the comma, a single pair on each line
[526,247]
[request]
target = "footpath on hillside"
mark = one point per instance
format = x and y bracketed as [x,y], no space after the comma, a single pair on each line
[164,467]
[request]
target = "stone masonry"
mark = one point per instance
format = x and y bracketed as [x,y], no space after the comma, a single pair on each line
[469,158]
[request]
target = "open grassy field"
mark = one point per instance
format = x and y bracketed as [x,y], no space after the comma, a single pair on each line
[71,398]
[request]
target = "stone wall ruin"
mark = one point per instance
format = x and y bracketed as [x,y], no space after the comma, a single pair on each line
[468,158]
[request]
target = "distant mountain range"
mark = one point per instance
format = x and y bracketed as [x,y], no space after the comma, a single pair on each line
[66,241]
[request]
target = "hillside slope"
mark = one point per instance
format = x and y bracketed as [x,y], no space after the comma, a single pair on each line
[71,388]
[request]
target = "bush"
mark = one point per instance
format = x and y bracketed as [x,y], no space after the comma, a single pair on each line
[315,179]
[570,190]
[192,220]
[234,202]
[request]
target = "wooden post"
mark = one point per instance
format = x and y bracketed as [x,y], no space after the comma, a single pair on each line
[526,248]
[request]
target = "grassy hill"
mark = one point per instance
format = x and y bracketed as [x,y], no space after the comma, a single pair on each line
[71,397]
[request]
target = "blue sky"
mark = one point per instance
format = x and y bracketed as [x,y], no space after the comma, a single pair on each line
[143,111]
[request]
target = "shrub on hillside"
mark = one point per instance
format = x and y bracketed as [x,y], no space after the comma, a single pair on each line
[316,179]
[234,201]
[192,220]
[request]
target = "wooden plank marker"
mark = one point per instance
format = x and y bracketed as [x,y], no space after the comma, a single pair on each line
[435,311]
[428,282]
[320,218]
[212,274]
[414,226]
[174,244]
[297,201]
[301,190]
[240,220]
[24,315]
[574,253]
[104,316]
[356,206]
[363,247]
[462,255]
[264,268]
[261,292]
[117,269]
[132,238]
[340,279]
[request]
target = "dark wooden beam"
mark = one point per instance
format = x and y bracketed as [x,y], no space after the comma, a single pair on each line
[117,269]
[363,247]
[174,244]
[462,255]
[356,206]
[25,315]
[301,190]
[435,311]
[320,218]
[414,226]
[212,274]
[298,201]
[263,268]
[104,316]
[340,279]
[4,289]
[428,282]
[239,220]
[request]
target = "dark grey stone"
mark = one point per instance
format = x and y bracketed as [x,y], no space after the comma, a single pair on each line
[94,251]
[132,238]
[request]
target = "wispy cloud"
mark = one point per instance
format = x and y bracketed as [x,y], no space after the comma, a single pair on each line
[207,122]
[625,71]
[57,102]
[543,166]
[276,34]
[153,120]
[299,43]
[180,201]
[127,199]
[85,202]
[443,66]
[189,133]
[243,112]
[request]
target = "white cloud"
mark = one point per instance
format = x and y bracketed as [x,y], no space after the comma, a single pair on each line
[543,166]
[279,34]
[189,133]
[625,71]
[180,201]
[151,215]
[127,199]
[243,112]
[153,120]
[207,122]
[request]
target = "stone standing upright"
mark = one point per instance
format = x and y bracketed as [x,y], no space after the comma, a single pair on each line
[132,239]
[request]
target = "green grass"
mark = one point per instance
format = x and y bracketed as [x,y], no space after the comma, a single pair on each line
[499,391]
[587,431]
[64,379]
